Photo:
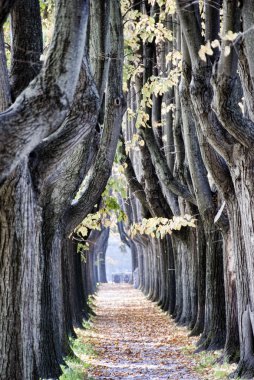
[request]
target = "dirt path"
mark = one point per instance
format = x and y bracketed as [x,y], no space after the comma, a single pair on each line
[135,340]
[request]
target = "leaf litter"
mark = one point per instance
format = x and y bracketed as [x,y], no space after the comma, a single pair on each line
[134,339]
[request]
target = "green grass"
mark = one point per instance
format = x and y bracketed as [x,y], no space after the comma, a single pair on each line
[76,368]
[208,362]
[205,360]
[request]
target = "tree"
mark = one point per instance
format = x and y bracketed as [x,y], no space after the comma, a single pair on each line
[46,152]
[182,76]
[177,186]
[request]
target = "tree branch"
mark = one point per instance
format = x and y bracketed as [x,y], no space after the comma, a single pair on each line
[188,13]
[129,172]
[123,235]
[99,173]
[227,86]
[212,24]
[99,42]
[201,89]
[59,147]
[248,34]
[42,106]
[162,169]
[5,8]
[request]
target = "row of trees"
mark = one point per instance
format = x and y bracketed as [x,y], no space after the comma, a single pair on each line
[62,126]
[185,148]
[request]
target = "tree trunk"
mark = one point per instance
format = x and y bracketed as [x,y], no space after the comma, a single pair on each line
[245,367]
[214,333]
[20,268]
[201,280]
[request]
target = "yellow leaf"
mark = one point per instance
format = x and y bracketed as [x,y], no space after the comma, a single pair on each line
[230,36]
[202,52]
[215,44]
[227,51]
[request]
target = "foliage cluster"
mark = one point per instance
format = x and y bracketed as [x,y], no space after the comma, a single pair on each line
[160,227]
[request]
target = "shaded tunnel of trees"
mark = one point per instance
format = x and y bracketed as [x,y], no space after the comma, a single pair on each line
[165,90]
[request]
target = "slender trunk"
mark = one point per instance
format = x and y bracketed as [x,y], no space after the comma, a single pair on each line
[77,292]
[5,90]
[201,281]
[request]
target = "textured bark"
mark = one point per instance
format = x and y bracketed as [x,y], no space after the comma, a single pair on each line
[162,170]
[207,209]
[198,327]
[79,309]
[27,45]
[134,185]
[41,190]
[5,90]
[64,155]
[214,333]
[50,94]
[245,367]
[183,296]
[20,249]
[167,276]
[20,278]
[99,173]
[158,205]
[232,344]
[202,95]
[170,272]
[217,334]
[99,41]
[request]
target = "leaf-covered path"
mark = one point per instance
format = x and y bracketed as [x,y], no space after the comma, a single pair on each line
[135,340]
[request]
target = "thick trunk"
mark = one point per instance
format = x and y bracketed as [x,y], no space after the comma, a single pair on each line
[165,300]
[231,349]
[184,289]
[214,333]
[77,292]
[241,218]
[20,284]
[51,318]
